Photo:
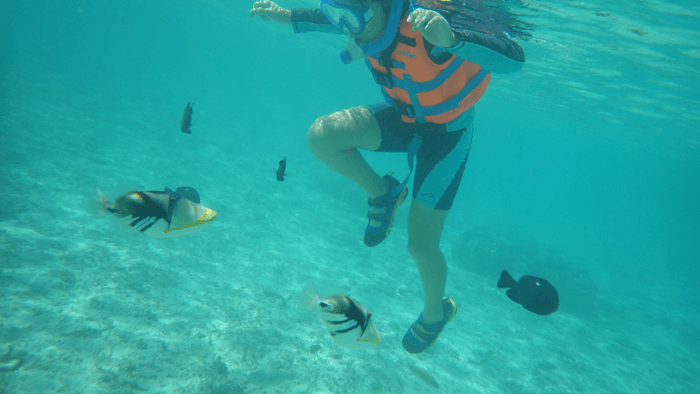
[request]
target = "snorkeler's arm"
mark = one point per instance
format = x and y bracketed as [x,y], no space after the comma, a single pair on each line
[497,54]
[302,20]
[306,20]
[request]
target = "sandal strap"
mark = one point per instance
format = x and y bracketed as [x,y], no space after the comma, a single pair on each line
[382,217]
[427,333]
[428,328]
[382,201]
[432,328]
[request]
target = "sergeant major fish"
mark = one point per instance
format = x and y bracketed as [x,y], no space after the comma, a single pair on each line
[159,214]
[186,121]
[349,323]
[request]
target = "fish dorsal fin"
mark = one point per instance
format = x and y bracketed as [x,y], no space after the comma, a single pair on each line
[506,281]
[189,193]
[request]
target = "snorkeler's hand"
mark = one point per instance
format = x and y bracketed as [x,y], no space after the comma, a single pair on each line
[267,10]
[433,26]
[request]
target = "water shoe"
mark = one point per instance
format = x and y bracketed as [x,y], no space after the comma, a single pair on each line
[389,202]
[428,333]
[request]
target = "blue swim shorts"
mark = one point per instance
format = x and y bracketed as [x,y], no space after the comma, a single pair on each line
[442,156]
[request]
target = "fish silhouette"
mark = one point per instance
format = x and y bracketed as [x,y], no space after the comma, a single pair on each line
[186,121]
[534,294]
[281,169]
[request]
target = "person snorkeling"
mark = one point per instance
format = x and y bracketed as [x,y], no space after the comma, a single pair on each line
[430,90]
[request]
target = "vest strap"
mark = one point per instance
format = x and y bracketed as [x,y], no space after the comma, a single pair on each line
[454,101]
[389,80]
[409,111]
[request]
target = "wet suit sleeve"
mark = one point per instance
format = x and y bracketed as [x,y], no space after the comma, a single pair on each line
[305,20]
[498,54]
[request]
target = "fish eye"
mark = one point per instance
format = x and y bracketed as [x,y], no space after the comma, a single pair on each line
[325,305]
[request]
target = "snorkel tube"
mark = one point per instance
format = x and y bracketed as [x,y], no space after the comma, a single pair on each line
[392,28]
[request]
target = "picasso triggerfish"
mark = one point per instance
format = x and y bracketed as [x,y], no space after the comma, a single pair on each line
[349,323]
[165,214]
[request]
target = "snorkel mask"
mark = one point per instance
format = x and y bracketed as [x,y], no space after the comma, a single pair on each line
[392,26]
[346,18]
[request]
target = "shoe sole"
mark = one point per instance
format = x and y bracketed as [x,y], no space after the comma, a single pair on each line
[402,198]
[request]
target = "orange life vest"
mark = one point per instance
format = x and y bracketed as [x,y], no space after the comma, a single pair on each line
[422,90]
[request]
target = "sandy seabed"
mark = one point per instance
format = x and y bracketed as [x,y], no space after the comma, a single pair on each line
[89,308]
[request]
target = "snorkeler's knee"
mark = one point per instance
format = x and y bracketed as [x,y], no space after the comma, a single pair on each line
[322,132]
[317,131]
[423,250]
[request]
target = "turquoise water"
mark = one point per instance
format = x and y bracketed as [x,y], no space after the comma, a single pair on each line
[584,170]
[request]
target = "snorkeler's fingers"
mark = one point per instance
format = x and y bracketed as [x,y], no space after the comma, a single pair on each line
[262,13]
[424,23]
[259,4]
[418,22]
[413,18]
[267,10]
[430,23]
[264,9]
[438,32]
[262,4]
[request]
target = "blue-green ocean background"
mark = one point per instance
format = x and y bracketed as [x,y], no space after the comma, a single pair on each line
[584,169]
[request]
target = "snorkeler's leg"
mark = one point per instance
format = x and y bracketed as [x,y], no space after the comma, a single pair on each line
[424,231]
[334,139]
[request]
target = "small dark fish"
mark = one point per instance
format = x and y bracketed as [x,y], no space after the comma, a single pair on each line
[281,169]
[186,121]
[534,294]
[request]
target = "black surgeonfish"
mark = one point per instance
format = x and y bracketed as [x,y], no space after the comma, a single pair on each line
[281,169]
[534,294]
[186,121]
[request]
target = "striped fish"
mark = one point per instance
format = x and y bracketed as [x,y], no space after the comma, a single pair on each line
[349,323]
[159,214]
